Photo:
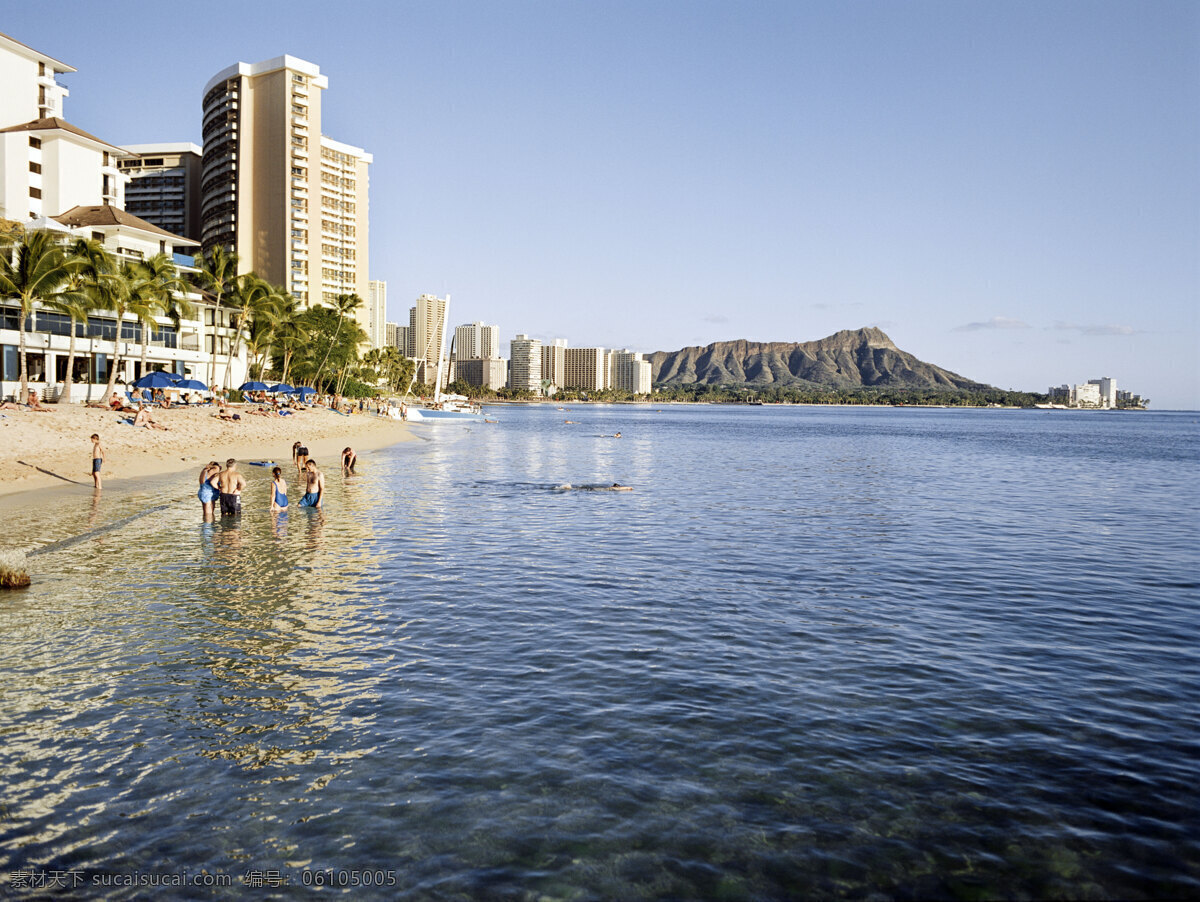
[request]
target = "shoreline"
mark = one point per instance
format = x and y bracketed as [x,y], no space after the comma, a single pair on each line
[32,443]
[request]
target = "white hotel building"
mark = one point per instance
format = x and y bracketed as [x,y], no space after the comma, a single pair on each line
[55,176]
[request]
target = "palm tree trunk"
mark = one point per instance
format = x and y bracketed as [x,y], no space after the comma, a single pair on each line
[64,397]
[24,372]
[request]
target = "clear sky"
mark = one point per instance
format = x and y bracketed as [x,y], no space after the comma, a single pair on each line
[1009,190]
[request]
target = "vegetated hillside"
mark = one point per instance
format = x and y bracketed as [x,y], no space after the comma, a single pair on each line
[862,357]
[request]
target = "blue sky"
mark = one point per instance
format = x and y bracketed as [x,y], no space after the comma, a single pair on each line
[1009,190]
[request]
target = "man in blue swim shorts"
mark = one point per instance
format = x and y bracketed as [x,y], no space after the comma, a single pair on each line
[314,482]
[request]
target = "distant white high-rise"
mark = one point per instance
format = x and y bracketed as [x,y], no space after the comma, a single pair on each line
[477,341]
[585,369]
[629,372]
[525,368]
[376,313]
[1108,390]
[426,333]
[554,362]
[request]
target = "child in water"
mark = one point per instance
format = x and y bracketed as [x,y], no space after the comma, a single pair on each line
[279,498]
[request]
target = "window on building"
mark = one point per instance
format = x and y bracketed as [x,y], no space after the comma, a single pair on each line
[35,167]
[35,142]
[35,192]
[98,236]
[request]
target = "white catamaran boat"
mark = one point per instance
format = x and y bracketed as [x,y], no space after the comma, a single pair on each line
[442,407]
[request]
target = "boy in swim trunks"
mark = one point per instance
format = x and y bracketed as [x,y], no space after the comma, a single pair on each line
[97,458]
[230,484]
[314,490]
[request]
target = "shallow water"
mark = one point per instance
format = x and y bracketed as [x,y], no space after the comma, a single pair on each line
[815,652]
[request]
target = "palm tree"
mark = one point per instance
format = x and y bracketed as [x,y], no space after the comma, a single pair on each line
[268,315]
[343,305]
[91,263]
[40,273]
[122,292]
[165,289]
[217,273]
[250,294]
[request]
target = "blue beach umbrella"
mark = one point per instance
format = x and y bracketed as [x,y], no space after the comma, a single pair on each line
[253,386]
[155,380]
[191,385]
[281,389]
[304,391]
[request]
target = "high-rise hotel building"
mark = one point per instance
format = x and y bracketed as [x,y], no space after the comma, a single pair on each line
[291,202]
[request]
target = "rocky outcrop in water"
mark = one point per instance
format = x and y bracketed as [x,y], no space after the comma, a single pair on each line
[850,358]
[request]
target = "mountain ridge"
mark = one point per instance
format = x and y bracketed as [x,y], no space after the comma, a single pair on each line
[850,358]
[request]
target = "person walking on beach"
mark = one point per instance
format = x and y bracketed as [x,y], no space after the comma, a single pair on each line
[314,486]
[208,493]
[230,484]
[349,459]
[300,456]
[279,498]
[97,459]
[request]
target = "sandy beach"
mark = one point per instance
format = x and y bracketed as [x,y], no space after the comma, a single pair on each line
[48,450]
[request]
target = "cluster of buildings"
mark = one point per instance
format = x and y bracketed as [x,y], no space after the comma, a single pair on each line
[266,183]
[543,369]
[1101,393]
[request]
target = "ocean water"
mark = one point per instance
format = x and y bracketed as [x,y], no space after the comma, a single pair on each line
[861,653]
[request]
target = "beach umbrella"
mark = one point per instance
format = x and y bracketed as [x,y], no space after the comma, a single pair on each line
[253,386]
[304,391]
[192,385]
[281,389]
[155,379]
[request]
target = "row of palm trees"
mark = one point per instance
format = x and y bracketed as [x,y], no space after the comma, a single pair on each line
[80,276]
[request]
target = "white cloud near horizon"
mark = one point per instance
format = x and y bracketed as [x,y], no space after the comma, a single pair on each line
[1107,329]
[996,322]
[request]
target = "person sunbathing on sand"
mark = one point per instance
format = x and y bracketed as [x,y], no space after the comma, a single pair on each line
[223,414]
[143,418]
[34,404]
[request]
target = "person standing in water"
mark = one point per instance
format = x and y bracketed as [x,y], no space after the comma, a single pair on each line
[208,493]
[314,491]
[279,498]
[230,483]
[97,459]
[300,455]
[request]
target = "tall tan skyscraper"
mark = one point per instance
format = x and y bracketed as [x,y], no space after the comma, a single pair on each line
[427,336]
[290,201]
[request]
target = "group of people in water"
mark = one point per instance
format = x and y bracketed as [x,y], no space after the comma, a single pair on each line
[222,487]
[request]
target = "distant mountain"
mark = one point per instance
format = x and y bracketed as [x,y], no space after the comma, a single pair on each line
[847,359]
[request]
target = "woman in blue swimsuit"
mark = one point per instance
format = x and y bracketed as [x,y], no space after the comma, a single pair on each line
[279,498]
[208,493]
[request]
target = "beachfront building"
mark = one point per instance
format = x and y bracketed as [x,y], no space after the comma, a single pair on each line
[376,302]
[1094,393]
[291,202]
[397,337]
[554,363]
[586,369]
[56,177]
[164,186]
[1107,387]
[30,89]
[485,372]
[426,336]
[197,346]
[476,341]
[525,364]
[628,371]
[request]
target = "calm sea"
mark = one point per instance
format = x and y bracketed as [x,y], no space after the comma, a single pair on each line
[815,653]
